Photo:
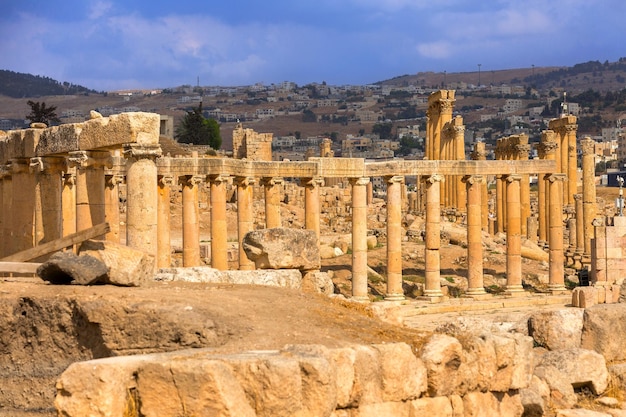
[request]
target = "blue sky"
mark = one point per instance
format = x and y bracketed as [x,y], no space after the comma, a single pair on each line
[120,44]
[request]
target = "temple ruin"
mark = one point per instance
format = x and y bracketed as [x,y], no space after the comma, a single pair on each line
[59,180]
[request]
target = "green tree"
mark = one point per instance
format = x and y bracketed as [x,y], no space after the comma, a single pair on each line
[383,130]
[194,128]
[40,113]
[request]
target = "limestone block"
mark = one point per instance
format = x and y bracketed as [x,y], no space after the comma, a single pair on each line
[127,266]
[190,387]
[190,274]
[557,329]
[97,388]
[396,409]
[443,357]
[318,282]
[561,390]
[479,365]
[584,297]
[372,242]
[580,412]
[604,331]
[367,377]
[535,398]
[343,360]
[285,278]
[282,248]
[618,371]
[117,129]
[438,406]
[493,404]
[66,268]
[59,139]
[581,367]
[403,375]
[514,361]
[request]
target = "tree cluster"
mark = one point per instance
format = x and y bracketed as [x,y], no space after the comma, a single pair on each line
[195,129]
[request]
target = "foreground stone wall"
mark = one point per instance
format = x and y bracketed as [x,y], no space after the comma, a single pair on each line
[481,377]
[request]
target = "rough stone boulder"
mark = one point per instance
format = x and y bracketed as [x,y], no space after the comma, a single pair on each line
[282,248]
[127,266]
[604,330]
[69,268]
[581,368]
[559,329]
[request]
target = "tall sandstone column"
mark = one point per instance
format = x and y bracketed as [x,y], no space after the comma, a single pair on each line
[312,204]
[522,150]
[23,205]
[48,217]
[589,194]
[191,216]
[394,238]
[474,236]
[359,238]
[546,150]
[219,232]
[555,244]
[141,197]
[480,154]
[68,200]
[432,260]
[513,236]
[164,245]
[273,191]
[112,206]
[6,247]
[245,217]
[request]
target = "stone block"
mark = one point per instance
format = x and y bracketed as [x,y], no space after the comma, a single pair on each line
[396,409]
[68,268]
[604,331]
[493,404]
[438,406]
[443,357]
[282,248]
[403,376]
[584,297]
[557,329]
[581,367]
[127,266]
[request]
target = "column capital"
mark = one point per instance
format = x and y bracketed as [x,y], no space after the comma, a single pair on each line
[190,180]
[570,128]
[588,146]
[578,197]
[271,181]
[431,179]
[391,179]
[359,181]
[216,179]
[47,164]
[94,159]
[555,177]
[244,181]
[472,179]
[5,171]
[142,151]
[69,178]
[312,182]
[19,165]
[166,180]
[512,177]
[110,181]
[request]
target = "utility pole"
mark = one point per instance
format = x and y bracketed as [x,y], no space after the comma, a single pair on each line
[479,75]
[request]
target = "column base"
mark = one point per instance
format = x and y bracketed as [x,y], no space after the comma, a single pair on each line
[514,291]
[432,296]
[557,289]
[478,294]
[394,297]
[360,298]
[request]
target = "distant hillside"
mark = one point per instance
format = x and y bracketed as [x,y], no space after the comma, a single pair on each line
[595,75]
[19,85]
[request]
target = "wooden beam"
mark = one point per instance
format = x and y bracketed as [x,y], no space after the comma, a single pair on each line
[58,244]
[19,267]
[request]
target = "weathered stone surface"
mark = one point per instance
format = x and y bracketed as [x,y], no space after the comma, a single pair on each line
[318,282]
[535,397]
[584,297]
[443,356]
[604,330]
[396,409]
[493,404]
[514,361]
[438,406]
[579,412]
[285,278]
[127,266]
[282,248]
[403,376]
[561,390]
[558,329]
[66,268]
[581,367]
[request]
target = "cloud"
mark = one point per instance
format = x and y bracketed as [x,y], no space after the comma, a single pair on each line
[437,50]
[98,9]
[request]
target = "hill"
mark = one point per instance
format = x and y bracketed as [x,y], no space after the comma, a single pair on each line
[19,85]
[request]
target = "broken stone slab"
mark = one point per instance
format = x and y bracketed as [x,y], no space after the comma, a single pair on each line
[559,329]
[127,267]
[283,248]
[69,268]
[604,331]
[581,367]
[285,278]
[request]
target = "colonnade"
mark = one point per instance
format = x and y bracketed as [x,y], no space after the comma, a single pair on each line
[78,188]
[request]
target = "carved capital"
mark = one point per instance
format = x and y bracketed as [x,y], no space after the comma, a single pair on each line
[312,182]
[166,180]
[245,181]
[217,179]
[472,179]
[111,181]
[394,179]
[140,151]
[578,197]
[190,180]
[77,159]
[272,181]
[512,177]
[588,146]
[47,164]
[69,179]
[431,179]
[19,166]
[359,181]
[555,177]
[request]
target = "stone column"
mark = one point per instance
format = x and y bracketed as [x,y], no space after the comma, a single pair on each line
[546,149]
[359,238]
[572,156]
[522,150]
[589,194]
[112,205]
[459,145]
[142,197]
[273,192]
[555,244]
[580,225]
[394,238]
[479,154]
[89,187]
[23,205]
[6,214]
[312,204]
[48,215]
[68,200]
[219,232]
[164,245]
[513,236]
[499,204]
[474,236]
[191,216]
[432,268]
[245,217]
